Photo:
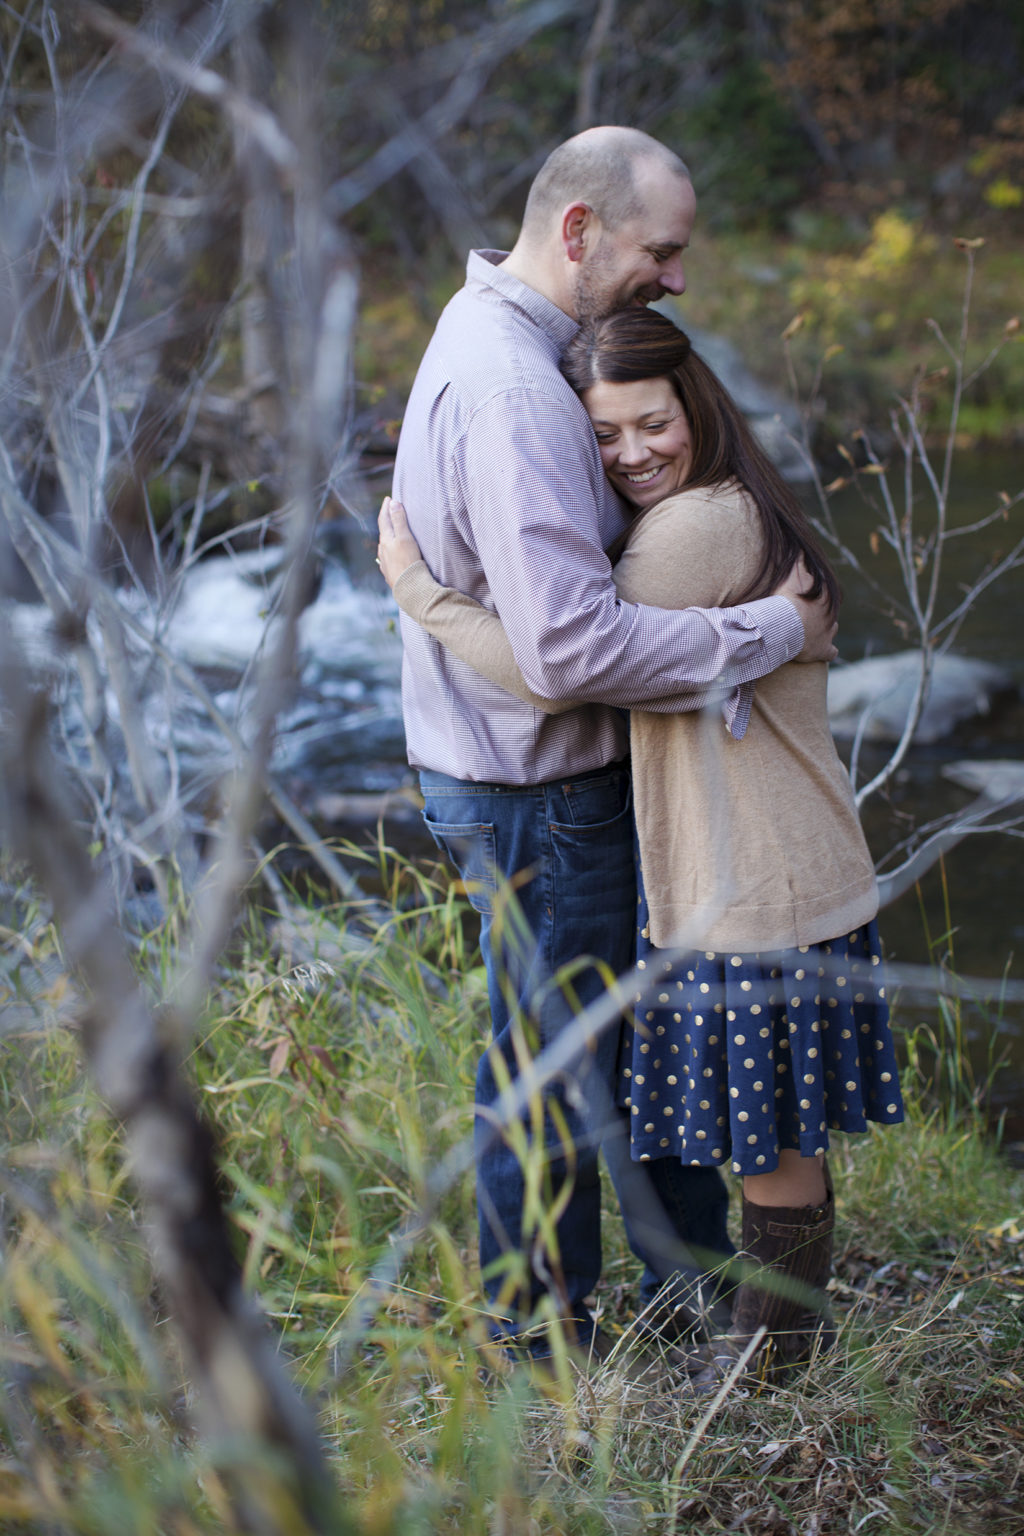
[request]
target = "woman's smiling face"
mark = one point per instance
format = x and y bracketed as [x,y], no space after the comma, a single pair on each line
[644,437]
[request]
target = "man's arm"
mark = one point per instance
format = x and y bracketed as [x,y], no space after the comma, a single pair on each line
[532,482]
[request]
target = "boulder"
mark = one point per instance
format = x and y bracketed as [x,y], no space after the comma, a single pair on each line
[879,690]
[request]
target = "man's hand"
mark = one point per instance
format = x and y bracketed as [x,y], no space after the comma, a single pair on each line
[819,625]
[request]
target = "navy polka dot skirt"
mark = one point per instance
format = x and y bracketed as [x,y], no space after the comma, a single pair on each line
[734,1056]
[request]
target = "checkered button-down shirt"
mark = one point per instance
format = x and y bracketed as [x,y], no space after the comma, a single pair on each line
[502,481]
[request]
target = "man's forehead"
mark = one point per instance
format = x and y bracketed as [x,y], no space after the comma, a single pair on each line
[669,208]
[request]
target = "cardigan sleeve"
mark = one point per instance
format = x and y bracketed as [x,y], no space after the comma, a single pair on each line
[471,632]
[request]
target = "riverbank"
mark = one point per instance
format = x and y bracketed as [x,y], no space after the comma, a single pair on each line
[336,1090]
[866,294]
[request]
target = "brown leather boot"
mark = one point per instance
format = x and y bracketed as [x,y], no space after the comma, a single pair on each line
[793,1248]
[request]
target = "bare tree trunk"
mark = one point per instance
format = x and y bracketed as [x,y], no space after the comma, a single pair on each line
[241,1388]
[587,94]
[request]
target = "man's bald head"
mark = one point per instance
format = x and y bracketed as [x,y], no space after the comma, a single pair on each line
[600,167]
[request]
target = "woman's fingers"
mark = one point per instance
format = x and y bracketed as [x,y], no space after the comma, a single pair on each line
[397,549]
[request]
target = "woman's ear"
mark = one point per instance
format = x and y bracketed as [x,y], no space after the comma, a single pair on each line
[578,229]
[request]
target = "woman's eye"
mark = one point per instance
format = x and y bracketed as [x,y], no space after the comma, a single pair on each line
[656,426]
[605,437]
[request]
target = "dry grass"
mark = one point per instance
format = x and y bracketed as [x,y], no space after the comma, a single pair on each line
[332,1105]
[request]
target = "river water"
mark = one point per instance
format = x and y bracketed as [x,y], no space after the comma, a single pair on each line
[972,908]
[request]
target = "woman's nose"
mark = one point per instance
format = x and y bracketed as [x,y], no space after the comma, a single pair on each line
[632,450]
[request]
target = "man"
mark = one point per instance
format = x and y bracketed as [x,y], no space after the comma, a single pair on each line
[498,468]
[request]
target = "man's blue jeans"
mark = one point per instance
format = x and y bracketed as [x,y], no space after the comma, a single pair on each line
[567,850]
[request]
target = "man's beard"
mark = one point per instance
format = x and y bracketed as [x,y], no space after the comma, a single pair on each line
[595,296]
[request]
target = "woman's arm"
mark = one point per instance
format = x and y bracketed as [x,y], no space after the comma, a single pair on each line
[470,631]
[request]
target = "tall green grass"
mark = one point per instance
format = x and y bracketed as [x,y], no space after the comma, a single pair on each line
[336,1090]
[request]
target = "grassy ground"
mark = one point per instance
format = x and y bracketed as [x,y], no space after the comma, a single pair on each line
[334,1094]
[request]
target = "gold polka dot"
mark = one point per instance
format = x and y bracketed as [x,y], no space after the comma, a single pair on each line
[662,997]
[851,1087]
[739,1039]
[702,1135]
[736,960]
[886,1077]
[749,1063]
[743,1115]
[808,1077]
[641,965]
[649,1126]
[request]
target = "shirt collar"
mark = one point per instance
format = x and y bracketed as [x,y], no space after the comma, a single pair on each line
[482,270]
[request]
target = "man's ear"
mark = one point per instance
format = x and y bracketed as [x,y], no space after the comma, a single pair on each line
[579,229]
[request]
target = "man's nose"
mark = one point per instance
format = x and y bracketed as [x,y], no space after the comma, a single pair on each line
[672,277]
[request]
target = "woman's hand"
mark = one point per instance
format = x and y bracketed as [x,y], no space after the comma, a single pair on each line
[397,549]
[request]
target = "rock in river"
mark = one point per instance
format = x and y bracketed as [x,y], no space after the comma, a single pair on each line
[880,689]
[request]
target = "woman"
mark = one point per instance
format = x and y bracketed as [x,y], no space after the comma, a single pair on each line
[772,1029]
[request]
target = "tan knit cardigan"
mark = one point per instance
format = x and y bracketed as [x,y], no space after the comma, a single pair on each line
[744,845]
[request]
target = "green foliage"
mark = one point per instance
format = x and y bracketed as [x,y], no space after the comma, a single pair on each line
[749,161]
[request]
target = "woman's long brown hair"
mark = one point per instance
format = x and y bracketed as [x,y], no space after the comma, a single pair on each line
[643,344]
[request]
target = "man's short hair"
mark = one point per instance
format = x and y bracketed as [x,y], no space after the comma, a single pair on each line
[597,167]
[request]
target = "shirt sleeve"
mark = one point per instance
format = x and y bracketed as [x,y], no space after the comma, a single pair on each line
[533,493]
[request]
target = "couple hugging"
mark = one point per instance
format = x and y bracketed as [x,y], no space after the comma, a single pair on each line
[617,626]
